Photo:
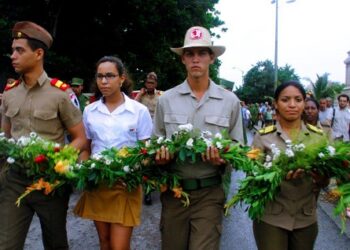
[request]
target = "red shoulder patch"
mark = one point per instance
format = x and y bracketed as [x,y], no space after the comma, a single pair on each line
[59,84]
[11,85]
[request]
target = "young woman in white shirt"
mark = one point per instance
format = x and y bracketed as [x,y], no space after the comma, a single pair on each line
[114,120]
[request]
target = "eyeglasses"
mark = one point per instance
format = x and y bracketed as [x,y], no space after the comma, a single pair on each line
[108,76]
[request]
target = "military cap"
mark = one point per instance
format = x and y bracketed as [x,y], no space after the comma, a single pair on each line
[26,29]
[77,81]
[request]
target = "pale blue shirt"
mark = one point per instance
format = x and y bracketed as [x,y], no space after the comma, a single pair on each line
[124,126]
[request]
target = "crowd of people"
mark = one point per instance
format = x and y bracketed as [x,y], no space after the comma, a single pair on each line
[36,103]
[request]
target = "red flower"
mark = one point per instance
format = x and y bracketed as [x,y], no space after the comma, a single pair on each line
[56,149]
[144,178]
[40,158]
[226,148]
[345,163]
[144,151]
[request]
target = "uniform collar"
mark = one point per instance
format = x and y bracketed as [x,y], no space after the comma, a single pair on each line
[213,91]
[41,80]
[127,105]
[280,132]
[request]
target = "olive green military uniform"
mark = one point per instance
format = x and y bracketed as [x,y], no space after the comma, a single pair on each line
[83,102]
[199,225]
[290,221]
[46,110]
[150,101]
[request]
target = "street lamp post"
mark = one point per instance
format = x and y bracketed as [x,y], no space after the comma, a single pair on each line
[276,41]
[242,72]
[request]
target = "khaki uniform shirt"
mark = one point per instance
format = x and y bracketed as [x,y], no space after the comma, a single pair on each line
[218,109]
[150,101]
[44,109]
[295,205]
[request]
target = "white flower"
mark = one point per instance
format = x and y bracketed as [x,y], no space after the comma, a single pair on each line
[147,143]
[108,162]
[10,160]
[167,140]
[299,147]
[160,139]
[208,142]
[93,165]
[321,155]
[33,134]
[268,165]
[23,141]
[11,140]
[288,142]
[189,143]
[218,136]
[78,166]
[126,169]
[219,145]
[2,134]
[331,150]
[57,145]
[96,157]
[268,158]
[289,152]
[186,127]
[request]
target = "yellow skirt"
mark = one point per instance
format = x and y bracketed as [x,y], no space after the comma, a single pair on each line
[112,205]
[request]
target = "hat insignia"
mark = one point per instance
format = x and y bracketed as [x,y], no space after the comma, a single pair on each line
[19,34]
[196,34]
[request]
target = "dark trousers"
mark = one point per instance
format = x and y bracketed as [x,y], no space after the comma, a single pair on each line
[15,221]
[268,237]
[195,227]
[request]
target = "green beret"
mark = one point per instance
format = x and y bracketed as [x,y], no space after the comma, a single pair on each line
[31,30]
[77,81]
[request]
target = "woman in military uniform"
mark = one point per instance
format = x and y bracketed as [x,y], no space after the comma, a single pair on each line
[290,221]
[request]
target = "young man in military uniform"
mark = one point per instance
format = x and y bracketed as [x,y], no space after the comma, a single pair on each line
[208,107]
[35,103]
[77,85]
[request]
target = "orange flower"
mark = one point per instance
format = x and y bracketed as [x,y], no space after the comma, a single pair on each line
[253,154]
[177,192]
[62,167]
[163,188]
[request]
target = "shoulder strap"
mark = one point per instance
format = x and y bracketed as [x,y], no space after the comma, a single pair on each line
[59,84]
[11,85]
[333,117]
[267,130]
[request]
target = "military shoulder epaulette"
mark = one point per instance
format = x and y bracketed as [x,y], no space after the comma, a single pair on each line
[59,84]
[11,85]
[267,130]
[314,129]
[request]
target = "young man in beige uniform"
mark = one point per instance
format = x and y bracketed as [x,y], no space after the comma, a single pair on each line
[208,107]
[35,103]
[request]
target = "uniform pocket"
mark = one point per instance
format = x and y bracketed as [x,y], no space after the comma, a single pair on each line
[274,208]
[46,121]
[12,112]
[172,121]
[217,121]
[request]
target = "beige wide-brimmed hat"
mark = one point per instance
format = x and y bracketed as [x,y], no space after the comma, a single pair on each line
[199,37]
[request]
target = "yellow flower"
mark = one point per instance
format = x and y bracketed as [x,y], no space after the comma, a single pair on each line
[62,167]
[123,152]
[163,188]
[254,154]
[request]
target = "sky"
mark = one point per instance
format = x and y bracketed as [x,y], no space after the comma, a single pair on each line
[313,37]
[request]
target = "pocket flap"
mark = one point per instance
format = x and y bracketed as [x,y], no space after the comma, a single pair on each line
[44,115]
[12,112]
[217,120]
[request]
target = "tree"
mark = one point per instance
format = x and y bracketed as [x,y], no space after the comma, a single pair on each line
[140,32]
[323,88]
[259,81]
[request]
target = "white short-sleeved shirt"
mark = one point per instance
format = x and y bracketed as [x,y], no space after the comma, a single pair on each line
[124,126]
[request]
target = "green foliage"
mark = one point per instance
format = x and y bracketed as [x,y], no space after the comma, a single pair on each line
[323,88]
[259,81]
[139,32]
